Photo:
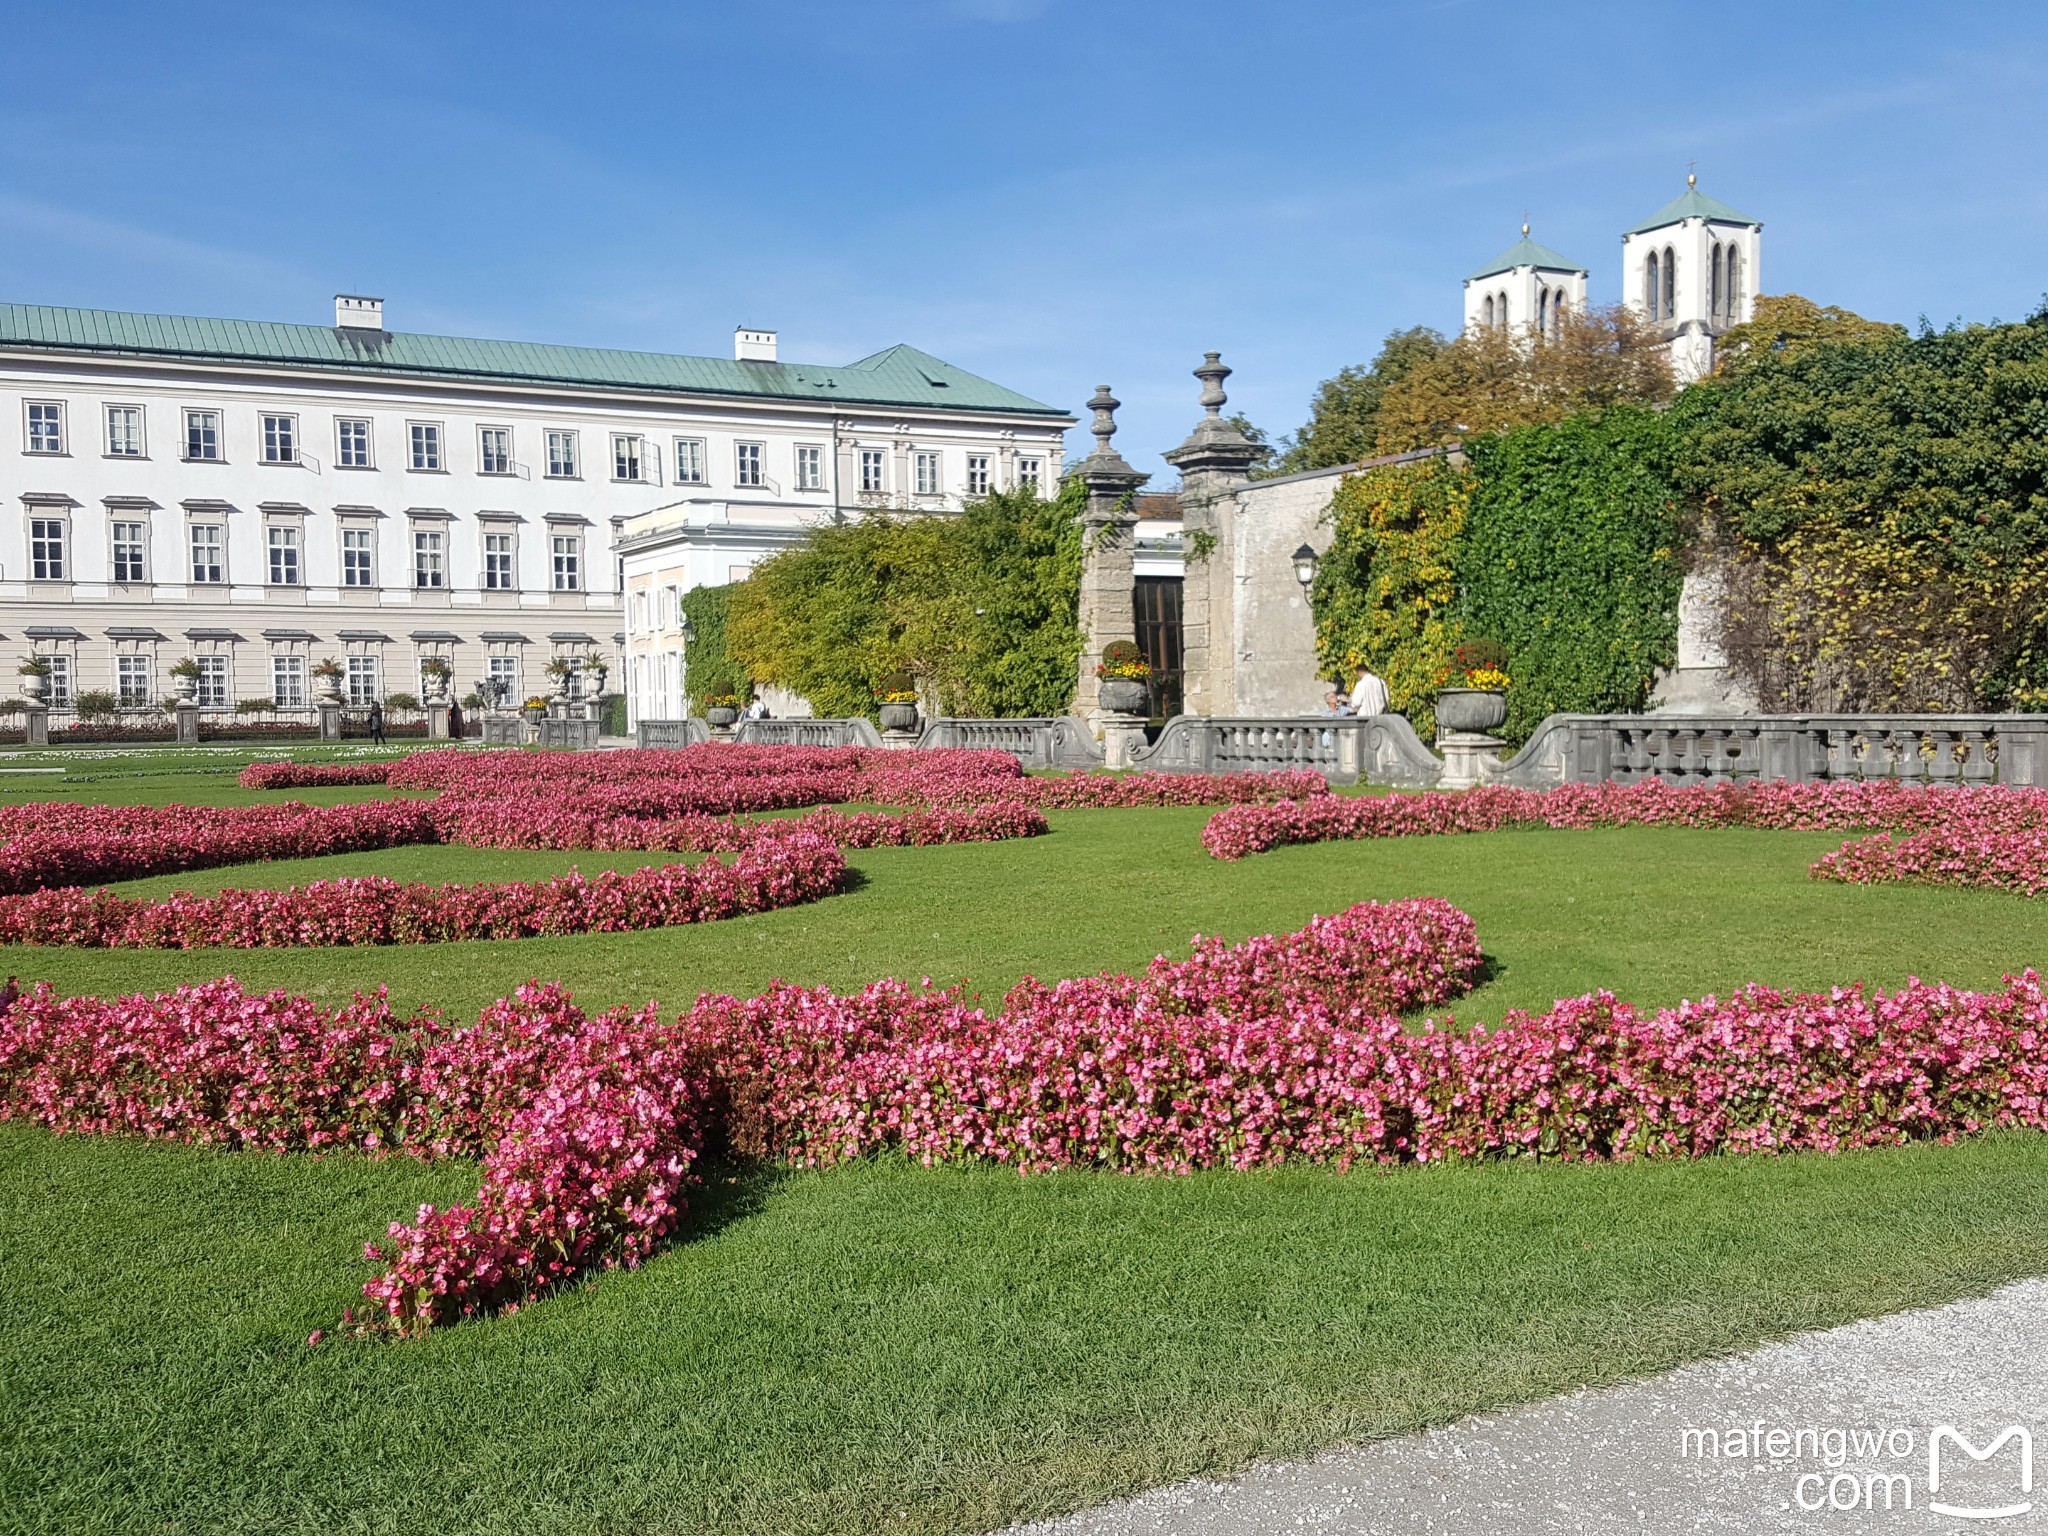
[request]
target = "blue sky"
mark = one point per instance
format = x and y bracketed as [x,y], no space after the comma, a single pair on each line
[1052,194]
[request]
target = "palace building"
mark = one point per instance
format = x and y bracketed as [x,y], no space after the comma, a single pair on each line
[259,496]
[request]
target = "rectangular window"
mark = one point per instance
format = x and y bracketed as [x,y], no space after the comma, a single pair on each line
[927,465]
[494,450]
[130,542]
[504,670]
[426,445]
[284,555]
[872,477]
[977,474]
[746,464]
[689,461]
[60,681]
[280,439]
[1028,473]
[132,683]
[568,562]
[429,558]
[124,431]
[498,571]
[209,552]
[45,426]
[810,468]
[46,539]
[202,434]
[352,443]
[561,455]
[288,681]
[210,687]
[358,558]
[625,456]
[362,681]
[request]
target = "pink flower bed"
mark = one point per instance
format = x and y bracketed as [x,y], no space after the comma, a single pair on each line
[300,775]
[1246,1055]
[1248,829]
[1952,855]
[787,868]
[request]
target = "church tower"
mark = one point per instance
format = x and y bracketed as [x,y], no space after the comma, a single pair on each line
[1692,269]
[1527,285]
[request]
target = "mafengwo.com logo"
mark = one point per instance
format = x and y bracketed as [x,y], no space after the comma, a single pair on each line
[1880,1469]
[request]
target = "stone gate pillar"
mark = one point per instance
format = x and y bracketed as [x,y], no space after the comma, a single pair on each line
[1214,463]
[1106,524]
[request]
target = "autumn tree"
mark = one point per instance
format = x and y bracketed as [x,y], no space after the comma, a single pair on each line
[1493,380]
[1785,325]
[1343,420]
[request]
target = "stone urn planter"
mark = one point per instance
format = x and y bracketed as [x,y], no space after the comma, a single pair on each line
[722,716]
[32,687]
[899,717]
[535,714]
[1125,696]
[1478,710]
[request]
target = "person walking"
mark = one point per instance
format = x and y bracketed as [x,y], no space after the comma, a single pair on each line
[1369,694]
[377,721]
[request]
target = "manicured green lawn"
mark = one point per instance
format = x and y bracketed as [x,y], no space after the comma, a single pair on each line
[885,1347]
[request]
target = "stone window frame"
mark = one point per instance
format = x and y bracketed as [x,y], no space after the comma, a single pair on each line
[497,526]
[635,444]
[876,459]
[279,572]
[198,422]
[981,464]
[564,454]
[695,468]
[107,410]
[426,440]
[277,439]
[484,450]
[749,463]
[35,425]
[128,517]
[343,447]
[809,462]
[50,525]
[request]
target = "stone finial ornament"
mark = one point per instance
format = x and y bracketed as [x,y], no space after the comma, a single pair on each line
[1215,444]
[1105,463]
[1212,373]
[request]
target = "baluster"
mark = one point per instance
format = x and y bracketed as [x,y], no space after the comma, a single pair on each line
[1976,746]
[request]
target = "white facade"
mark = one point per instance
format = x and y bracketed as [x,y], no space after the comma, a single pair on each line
[1527,287]
[1694,270]
[265,511]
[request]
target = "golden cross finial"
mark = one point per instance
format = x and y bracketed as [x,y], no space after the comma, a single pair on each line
[1691,177]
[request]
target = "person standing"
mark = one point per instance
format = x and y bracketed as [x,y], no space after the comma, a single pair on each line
[377,721]
[1369,694]
[454,722]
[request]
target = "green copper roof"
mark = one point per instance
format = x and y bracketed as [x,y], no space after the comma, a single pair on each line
[896,376]
[1692,204]
[1526,253]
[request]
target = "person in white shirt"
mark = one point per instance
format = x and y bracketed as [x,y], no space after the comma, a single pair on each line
[1368,694]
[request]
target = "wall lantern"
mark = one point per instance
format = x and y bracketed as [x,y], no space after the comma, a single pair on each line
[1305,563]
[689,630]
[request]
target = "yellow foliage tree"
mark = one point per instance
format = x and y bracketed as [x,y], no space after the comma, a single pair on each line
[1492,380]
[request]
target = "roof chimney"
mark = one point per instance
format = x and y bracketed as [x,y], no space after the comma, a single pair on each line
[352,311]
[752,346]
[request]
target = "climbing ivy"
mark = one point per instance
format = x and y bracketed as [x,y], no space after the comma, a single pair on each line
[709,664]
[1568,557]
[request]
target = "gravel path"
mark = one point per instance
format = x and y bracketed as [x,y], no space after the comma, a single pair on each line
[1618,1461]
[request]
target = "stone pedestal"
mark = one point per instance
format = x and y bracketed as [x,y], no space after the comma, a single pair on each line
[330,719]
[1470,757]
[1123,737]
[437,719]
[1215,464]
[36,719]
[1106,550]
[899,741]
[185,714]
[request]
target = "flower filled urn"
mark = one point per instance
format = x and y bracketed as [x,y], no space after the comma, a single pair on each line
[1478,710]
[720,715]
[1123,679]
[1125,695]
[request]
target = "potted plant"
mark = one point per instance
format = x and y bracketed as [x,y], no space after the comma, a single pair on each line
[596,667]
[1124,674]
[562,670]
[1472,692]
[723,701]
[35,671]
[185,677]
[534,709]
[897,694]
[327,675]
[435,672]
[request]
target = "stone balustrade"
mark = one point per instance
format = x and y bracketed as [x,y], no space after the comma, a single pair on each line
[1706,749]
[1377,749]
[856,732]
[671,733]
[1060,741]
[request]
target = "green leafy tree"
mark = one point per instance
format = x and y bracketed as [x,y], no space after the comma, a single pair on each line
[980,608]
[1784,325]
[1343,420]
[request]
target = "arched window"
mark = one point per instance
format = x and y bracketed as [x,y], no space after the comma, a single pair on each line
[1503,311]
[1557,313]
[1486,311]
[1715,291]
[1731,291]
[1670,283]
[1653,287]
[1542,311]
